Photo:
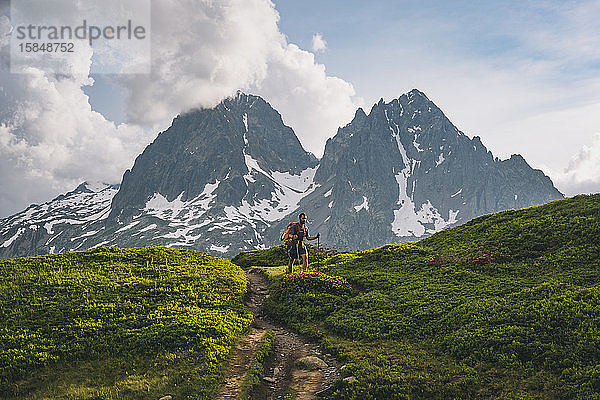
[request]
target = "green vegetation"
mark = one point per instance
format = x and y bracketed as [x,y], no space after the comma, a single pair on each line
[312,282]
[302,300]
[118,324]
[262,258]
[504,306]
[257,369]
[277,256]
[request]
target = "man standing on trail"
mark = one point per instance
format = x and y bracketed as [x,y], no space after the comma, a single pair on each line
[296,249]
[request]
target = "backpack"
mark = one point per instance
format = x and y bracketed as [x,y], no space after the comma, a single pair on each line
[287,235]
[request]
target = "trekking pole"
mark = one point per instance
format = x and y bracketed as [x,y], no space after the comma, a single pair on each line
[318,257]
[298,252]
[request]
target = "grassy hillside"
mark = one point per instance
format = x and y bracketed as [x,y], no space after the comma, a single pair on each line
[505,306]
[277,256]
[118,324]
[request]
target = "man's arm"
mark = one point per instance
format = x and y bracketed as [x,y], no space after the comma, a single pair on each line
[314,237]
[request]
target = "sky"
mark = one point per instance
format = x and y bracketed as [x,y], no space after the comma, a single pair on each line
[522,75]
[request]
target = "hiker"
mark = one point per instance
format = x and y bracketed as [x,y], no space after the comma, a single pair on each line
[296,249]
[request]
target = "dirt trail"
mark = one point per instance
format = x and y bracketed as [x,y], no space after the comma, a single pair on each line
[284,379]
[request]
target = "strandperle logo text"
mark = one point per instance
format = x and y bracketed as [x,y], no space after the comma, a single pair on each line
[127,31]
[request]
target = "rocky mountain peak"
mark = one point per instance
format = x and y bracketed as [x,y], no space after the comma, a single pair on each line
[94,186]
[359,115]
[417,93]
[223,144]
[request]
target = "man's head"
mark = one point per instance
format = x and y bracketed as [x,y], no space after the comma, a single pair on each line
[302,218]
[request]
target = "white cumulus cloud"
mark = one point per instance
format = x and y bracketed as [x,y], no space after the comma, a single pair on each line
[318,43]
[202,52]
[582,175]
[311,102]
[50,138]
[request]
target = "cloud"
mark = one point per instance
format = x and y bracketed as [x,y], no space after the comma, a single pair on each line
[582,175]
[50,138]
[310,101]
[318,43]
[202,51]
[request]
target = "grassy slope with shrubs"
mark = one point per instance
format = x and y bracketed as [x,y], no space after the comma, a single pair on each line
[277,256]
[118,324]
[504,306]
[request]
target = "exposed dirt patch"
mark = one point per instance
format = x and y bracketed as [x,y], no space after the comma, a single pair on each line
[284,379]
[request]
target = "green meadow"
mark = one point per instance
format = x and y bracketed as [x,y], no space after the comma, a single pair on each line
[504,306]
[118,324]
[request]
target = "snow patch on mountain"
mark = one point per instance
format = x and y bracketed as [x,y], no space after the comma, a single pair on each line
[428,214]
[289,190]
[146,229]
[96,186]
[408,221]
[457,193]
[416,144]
[89,203]
[129,226]
[363,205]
[440,160]
[178,210]
[49,226]
[220,249]
[12,239]
[405,221]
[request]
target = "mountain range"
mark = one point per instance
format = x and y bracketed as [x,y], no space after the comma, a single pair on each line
[230,178]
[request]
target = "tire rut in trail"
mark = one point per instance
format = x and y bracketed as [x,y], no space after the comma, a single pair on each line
[238,366]
[283,378]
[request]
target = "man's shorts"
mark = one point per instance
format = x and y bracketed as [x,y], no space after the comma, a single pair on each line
[292,253]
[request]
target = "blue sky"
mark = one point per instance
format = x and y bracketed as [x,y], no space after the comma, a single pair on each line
[522,75]
[500,33]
